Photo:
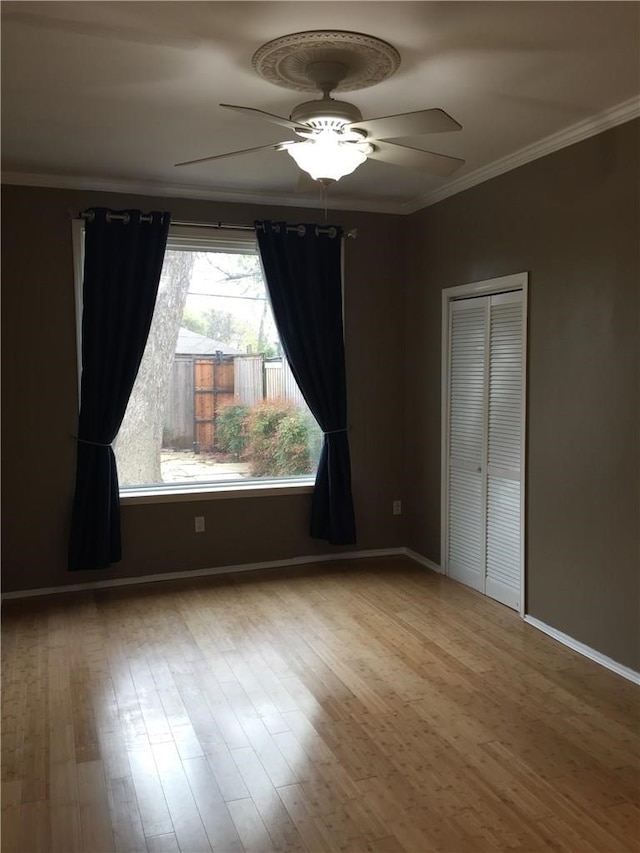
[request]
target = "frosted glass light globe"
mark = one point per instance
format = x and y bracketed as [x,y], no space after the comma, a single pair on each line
[326,157]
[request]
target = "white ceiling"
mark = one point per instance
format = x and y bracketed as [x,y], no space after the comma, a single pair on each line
[111,95]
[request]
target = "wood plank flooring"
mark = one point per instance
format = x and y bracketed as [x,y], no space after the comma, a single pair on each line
[370,707]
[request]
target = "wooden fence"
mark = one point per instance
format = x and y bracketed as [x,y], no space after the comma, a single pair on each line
[213,389]
[249,379]
[279,382]
[200,385]
[179,421]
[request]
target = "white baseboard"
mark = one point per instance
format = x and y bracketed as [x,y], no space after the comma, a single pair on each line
[587,651]
[223,570]
[565,639]
[200,573]
[424,561]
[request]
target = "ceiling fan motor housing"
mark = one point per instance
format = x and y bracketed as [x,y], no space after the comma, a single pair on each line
[326,114]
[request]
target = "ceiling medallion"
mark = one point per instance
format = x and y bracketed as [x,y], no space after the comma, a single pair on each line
[367,60]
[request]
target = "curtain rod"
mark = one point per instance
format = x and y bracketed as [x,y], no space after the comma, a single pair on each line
[226,226]
[218,226]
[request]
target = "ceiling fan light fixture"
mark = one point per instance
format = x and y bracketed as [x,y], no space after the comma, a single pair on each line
[326,157]
[336,139]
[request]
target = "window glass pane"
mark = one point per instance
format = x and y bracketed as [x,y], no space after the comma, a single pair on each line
[214,400]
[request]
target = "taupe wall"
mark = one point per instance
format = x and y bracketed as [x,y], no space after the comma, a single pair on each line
[39,408]
[570,220]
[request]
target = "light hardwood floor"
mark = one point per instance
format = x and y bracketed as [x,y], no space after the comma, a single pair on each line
[364,706]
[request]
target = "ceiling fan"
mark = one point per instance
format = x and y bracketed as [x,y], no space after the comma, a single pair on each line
[333,138]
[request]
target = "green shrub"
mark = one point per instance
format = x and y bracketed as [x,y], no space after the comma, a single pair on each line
[278,436]
[231,429]
[291,455]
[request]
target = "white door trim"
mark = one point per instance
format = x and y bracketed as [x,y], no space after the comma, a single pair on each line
[487,287]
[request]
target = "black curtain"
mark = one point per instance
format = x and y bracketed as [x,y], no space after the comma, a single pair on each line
[302,267]
[123,256]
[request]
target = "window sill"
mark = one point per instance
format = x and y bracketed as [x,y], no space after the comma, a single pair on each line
[209,492]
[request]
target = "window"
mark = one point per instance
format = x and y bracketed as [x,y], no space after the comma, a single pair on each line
[214,405]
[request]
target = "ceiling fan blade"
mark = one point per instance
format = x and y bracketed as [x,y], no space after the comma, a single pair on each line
[415,158]
[252,112]
[408,124]
[278,146]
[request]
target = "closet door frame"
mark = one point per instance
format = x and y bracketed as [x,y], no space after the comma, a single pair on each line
[487,287]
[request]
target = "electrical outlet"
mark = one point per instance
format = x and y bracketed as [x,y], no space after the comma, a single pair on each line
[397,507]
[199,521]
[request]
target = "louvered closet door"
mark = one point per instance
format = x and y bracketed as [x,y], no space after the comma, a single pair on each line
[483,535]
[504,465]
[465,544]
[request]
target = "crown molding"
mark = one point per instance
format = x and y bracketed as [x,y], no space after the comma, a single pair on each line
[149,188]
[620,114]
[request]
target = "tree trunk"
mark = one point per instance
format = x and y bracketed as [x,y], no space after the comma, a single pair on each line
[139,441]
